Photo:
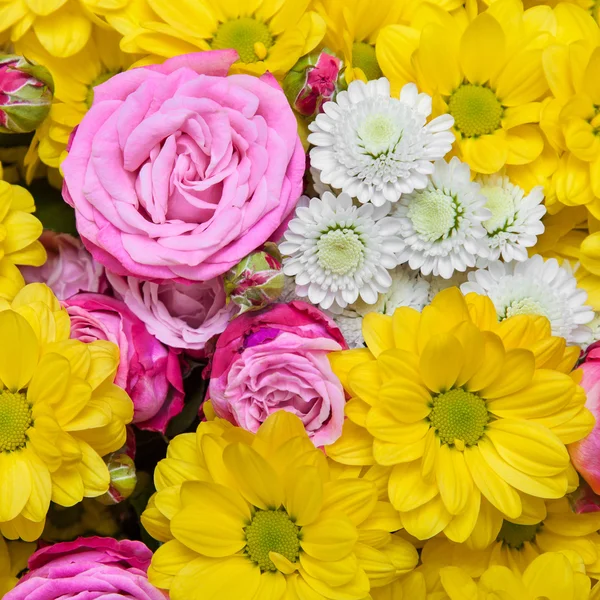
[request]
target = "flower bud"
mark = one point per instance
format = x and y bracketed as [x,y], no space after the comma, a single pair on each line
[122,478]
[25,94]
[312,82]
[256,281]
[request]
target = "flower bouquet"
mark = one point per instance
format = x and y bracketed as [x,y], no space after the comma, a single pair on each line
[299,300]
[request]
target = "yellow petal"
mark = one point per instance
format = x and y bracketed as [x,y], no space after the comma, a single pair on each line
[522,79]
[364,381]
[517,372]
[22,229]
[408,489]
[491,364]
[343,362]
[482,49]
[405,324]
[394,49]
[19,351]
[191,17]
[50,381]
[16,484]
[551,576]
[334,572]
[167,561]
[330,538]
[354,447]
[41,489]
[390,453]
[212,519]
[67,486]
[457,584]
[487,153]
[407,400]
[472,342]
[428,520]
[461,527]
[354,498]
[525,144]
[377,331]
[441,362]
[65,32]
[453,479]
[93,472]
[304,495]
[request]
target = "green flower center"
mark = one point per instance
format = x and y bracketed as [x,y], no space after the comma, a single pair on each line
[251,38]
[434,214]
[15,420]
[502,206]
[516,535]
[475,109]
[272,531]
[89,98]
[340,251]
[379,134]
[363,57]
[524,306]
[459,415]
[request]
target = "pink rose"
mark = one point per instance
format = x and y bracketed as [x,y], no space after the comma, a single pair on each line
[88,568]
[585,454]
[149,372]
[178,171]
[70,268]
[276,359]
[180,316]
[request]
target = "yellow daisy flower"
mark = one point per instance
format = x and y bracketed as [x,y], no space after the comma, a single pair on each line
[551,576]
[75,78]
[462,408]
[486,73]
[267,36]
[13,559]
[64,27]
[19,233]
[518,545]
[61,412]
[262,516]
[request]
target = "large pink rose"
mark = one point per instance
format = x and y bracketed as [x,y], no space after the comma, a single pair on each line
[180,316]
[178,171]
[88,568]
[585,454]
[149,372]
[70,268]
[276,359]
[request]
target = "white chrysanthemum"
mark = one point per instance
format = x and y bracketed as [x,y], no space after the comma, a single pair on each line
[441,226]
[338,252]
[516,219]
[538,288]
[408,289]
[438,284]
[374,147]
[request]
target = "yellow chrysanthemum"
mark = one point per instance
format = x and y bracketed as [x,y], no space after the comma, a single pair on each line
[75,78]
[518,545]
[267,36]
[486,72]
[64,27]
[262,516]
[464,409]
[59,412]
[19,233]
[85,518]
[13,559]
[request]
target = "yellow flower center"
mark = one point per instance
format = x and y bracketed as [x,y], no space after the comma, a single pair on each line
[459,415]
[272,531]
[475,109]
[251,38]
[502,206]
[15,420]
[434,214]
[89,98]
[516,535]
[363,57]
[340,251]
[524,306]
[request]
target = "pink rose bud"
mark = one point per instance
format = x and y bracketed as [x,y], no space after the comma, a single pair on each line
[585,454]
[149,372]
[25,94]
[312,82]
[70,268]
[91,567]
[584,500]
[276,359]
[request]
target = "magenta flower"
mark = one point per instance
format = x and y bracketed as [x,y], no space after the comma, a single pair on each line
[148,371]
[88,568]
[70,268]
[178,171]
[276,359]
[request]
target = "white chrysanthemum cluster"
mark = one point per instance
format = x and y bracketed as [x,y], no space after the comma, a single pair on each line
[536,287]
[338,252]
[377,148]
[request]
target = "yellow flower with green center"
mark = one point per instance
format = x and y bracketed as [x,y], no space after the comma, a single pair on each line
[75,78]
[19,233]
[13,560]
[470,414]
[59,412]
[265,516]
[517,545]
[267,36]
[485,71]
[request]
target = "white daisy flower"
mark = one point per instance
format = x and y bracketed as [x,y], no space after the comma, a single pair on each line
[442,226]
[516,219]
[437,284]
[338,252]
[535,287]
[374,147]
[408,289]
